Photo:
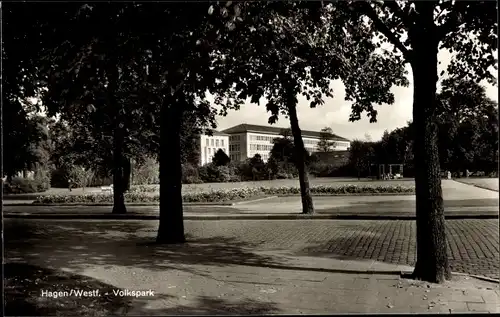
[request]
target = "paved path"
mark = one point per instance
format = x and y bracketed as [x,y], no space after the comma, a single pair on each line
[486,183]
[255,267]
[473,244]
[293,286]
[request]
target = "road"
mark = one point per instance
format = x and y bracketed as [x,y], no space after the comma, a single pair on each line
[473,245]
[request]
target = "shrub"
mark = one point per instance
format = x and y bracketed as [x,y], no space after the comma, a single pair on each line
[81,176]
[20,185]
[321,169]
[42,178]
[58,178]
[142,194]
[143,189]
[210,173]
[190,174]
[146,173]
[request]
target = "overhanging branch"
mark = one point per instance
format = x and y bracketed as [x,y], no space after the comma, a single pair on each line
[407,20]
[372,14]
[449,25]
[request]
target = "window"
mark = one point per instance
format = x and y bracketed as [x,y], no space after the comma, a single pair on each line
[222,143]
[212,143]
[217,142]
[208,141]
[209,151]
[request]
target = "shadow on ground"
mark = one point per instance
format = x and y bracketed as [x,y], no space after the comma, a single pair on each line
[24,284]
[133,245]
[77,247]
[68,248]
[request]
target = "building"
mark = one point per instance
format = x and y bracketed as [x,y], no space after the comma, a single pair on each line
[209,145]
[246,140]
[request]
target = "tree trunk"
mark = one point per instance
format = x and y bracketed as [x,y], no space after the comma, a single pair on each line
[432,259]
[171,228]
[118,143]
[300,162]
[127,171]
[118,173]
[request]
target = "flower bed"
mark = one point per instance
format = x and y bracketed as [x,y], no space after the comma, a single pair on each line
[227,194]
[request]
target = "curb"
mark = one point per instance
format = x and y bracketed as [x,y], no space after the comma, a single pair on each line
[127,204]
[111,216]
[210,203]
[351,194]
[479,277]
[144,204]
[252,201]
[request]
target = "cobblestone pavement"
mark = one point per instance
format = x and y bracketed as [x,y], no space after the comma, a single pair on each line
[473,245]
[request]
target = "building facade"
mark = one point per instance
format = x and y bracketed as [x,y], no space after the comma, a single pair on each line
[246,140]
[209,145]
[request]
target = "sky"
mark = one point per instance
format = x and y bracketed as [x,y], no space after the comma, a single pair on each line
[335,112]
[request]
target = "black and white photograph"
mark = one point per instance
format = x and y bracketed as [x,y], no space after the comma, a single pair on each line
[249,157]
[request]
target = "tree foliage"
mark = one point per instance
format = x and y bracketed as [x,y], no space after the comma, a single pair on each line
[361,156]
[468,126]
[325,143]
[413,32]
[220,158]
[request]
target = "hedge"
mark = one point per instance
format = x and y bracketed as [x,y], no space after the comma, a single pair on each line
[226,194]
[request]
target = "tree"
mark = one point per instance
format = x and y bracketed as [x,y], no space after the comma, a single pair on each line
[283,150]
[19,85]
[296,51]
[138,57]
[464,117]
[360,156]
[220,158]
[257,165]
[417,30]
[325,143]
[190,132]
